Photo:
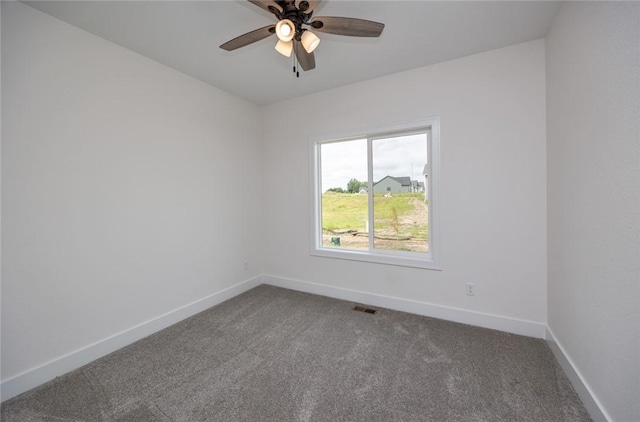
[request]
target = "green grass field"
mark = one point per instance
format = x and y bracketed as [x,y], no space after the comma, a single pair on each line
[344,211]
[401,216]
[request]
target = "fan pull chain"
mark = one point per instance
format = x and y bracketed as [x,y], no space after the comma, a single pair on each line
[296,64]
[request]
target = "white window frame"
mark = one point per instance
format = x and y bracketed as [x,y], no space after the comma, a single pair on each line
[429,260]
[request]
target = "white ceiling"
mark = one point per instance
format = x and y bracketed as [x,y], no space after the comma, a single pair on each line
[185,35]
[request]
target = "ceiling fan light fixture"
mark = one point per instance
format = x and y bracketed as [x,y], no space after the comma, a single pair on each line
[285,30]
[309,41]
[294,29]
[284,48]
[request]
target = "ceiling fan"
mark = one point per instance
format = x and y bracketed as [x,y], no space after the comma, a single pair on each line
[295,21]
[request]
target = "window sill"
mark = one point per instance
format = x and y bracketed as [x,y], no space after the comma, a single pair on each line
[424,262]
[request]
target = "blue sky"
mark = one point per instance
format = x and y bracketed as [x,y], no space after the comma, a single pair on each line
[342,161]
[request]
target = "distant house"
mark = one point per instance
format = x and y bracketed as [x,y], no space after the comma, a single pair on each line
[390,184]
[425,173]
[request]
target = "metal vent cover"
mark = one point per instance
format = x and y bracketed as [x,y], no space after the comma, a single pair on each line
[364,309]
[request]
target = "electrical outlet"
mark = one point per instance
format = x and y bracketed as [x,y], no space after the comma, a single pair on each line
[470,289]
[246,266]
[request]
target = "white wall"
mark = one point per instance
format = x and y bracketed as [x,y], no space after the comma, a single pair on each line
[593,98]
[493,199]
[128,189]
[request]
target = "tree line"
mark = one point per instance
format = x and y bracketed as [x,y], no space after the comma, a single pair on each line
[353,186]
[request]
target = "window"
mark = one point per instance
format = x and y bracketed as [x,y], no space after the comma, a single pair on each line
[374,196]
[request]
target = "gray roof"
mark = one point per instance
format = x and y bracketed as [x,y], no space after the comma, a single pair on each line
[404,180]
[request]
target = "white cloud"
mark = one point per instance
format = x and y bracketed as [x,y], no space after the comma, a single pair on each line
[343,161]
[397,156]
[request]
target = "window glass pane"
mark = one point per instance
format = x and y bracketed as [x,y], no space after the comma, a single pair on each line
[345,206]
[400,201]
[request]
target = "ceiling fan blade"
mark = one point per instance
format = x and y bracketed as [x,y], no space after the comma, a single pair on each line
[249,38]
[307,60]
[309,7]
[264,4]
[347,26]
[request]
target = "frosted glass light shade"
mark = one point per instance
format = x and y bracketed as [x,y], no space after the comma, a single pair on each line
[309,41]
[284,47]
[285,30]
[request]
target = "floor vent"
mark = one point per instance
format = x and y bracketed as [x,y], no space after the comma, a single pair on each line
[363,309]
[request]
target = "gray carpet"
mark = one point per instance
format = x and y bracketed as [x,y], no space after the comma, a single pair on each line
[273,354]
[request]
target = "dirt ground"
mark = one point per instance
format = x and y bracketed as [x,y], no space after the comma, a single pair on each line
[360,240]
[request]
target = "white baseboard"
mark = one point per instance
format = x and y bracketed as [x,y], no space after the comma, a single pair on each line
[590,401]
[34,377]
[496,322]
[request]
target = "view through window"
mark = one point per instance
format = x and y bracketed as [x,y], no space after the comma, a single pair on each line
[375,193]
